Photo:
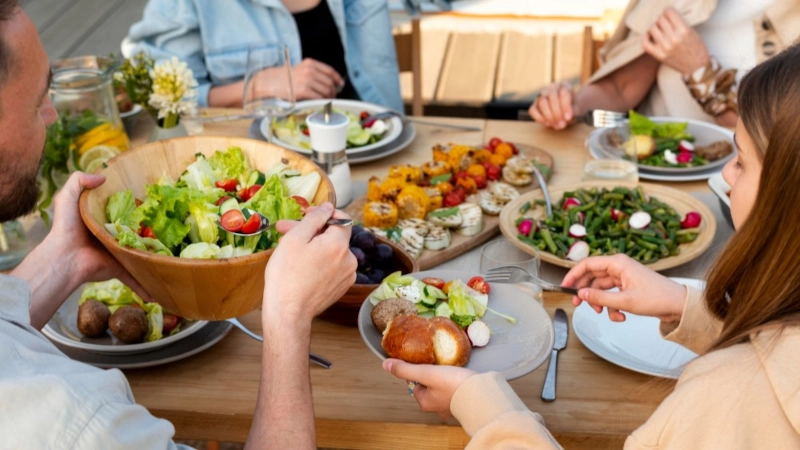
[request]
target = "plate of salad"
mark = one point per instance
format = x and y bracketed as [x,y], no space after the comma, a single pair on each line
[160,328]
[520,332]
[196,215]
[292,132]
[665,145]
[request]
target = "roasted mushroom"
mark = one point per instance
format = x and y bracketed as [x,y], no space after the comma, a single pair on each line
[129,324]
[93,318]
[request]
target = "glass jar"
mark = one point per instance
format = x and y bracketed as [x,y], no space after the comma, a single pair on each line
[83,94]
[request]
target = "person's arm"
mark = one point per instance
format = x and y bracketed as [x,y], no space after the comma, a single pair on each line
[698,329]
[68,256]
[311,268]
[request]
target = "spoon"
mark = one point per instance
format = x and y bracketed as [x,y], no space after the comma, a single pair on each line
[265,224]
[316,359]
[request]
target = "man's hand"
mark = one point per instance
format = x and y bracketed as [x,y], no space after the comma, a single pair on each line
[311,268]
[313,79]
[69,256]
[554,106]
[674,43]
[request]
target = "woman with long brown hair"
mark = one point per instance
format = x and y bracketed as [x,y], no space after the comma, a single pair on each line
[744,389]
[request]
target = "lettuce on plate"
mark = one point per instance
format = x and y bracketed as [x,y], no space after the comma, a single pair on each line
[642,125]
[388,285]
[114,294]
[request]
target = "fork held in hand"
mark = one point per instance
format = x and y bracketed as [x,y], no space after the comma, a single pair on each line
[514,274]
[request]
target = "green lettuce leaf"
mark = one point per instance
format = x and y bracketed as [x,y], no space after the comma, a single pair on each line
[112,293]
[165,210]
[388,285]
[230,164]
[462,321]
[155,321]
[200,250]
[461,302]
[127,238]
[640,124]
[120,205]
[199,175]
[672,130]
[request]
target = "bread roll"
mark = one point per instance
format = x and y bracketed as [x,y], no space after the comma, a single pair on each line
[426,341]
[409,338]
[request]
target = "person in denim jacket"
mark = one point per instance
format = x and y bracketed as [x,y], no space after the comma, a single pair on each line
[213,36]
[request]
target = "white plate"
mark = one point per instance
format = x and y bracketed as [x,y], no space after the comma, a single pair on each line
[722,191]
[352,106]
[192,345]
[63,329]
[704,133]
[635,344]
[514,349]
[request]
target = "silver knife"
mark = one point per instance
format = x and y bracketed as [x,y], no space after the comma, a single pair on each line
[561,331]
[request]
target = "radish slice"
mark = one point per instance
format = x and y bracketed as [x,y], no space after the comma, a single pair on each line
[570,202]
[685,146]
[578,251]
[581,217]
[577,231]
[692,220]
[478,333]
[670,157]
[525,227]
[639,220]
[616,214]
[684,157]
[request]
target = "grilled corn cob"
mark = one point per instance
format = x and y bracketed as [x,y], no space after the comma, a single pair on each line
[380,215]
[412,203]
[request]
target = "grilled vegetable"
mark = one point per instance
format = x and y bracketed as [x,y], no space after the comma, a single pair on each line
[391,188]
[438,238]
[420,226]
[412,203]
[446,217]
[380,215]
[412,242]
[407,172]
[374,189]
[472,222]
[504,192]
[489,203]
[516,178]
[435,168]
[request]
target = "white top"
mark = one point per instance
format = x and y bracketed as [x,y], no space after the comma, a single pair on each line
[48,401]
[729,33]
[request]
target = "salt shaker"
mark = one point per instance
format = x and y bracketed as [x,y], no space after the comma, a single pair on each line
[328,133]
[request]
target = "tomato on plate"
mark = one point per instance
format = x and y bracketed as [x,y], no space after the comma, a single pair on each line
[232,220]
[435,282]
[453,198]
[222,200]
[479,284]
[170,322]
[306,132]
[251,225]
[148,233]
[227,185]
[301,201]
[493,172]
[494,142]
[480,181]
[363,115]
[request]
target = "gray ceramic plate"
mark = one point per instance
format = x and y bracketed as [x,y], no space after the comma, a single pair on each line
[205,338]
[63,329]
[600,146]
[514,349]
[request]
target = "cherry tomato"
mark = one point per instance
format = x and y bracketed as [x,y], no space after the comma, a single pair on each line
[424,183]
[363,115]
[479,284]
[148,233]
[306,132]
[493,142]
[301,201]
[222,200]
[252,224]
[251,191]
[446,287]
[227,185]
[513,148]
[243,195]
[137,202]
[170,322]
[232,220]
[480,181]
[493,172]
[435,282]
[369,123]
[452,199]
[459,175]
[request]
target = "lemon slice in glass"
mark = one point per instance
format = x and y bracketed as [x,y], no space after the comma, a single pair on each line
[96,156]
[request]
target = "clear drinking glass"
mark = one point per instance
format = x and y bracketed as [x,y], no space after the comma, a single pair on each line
[501,252]
[617,169]
[268,90]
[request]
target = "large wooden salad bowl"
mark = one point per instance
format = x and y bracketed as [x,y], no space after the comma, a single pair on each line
[193,288]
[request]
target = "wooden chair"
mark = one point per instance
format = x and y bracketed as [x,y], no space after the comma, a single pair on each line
[408,47]
[590,60]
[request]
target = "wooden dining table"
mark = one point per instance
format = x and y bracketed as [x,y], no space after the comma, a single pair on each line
[357,405]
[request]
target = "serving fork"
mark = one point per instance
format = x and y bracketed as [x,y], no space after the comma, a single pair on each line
[514,274]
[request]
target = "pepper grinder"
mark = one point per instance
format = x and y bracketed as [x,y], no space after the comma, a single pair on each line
[328,133]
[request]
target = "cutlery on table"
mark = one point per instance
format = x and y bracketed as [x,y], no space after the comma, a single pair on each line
[561,329]
[514,274]
[316,359]
[598,118]
[224,118]
[265,224]
[387,114]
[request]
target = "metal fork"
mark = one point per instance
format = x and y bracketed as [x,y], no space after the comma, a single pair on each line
[514,274]
[316,359]
[388,114]
[598,118]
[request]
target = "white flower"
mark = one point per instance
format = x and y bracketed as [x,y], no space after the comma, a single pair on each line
[174,88]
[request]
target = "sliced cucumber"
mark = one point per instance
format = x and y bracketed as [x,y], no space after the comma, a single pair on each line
[434,292]
[427,315]
[360,138]
[421,308]
[444,310]
[228,205]
[256,177]
[429,302]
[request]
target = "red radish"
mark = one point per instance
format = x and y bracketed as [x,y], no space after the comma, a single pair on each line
[577,231]
[670,157]
[578,251]
[616,214]
[478,333]
[639,220]
[581,217]
[692,220]
[525,227]
[684,157]
[685,146]
[570,202]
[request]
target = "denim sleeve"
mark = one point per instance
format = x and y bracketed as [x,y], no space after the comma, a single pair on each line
[172,28]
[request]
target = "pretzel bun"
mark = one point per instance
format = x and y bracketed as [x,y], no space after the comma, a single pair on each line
[418,340]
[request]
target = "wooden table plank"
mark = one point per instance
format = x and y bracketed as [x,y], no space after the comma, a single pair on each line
[525,66]
[106,37]
[43,12]
[468,71]
[69,29]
